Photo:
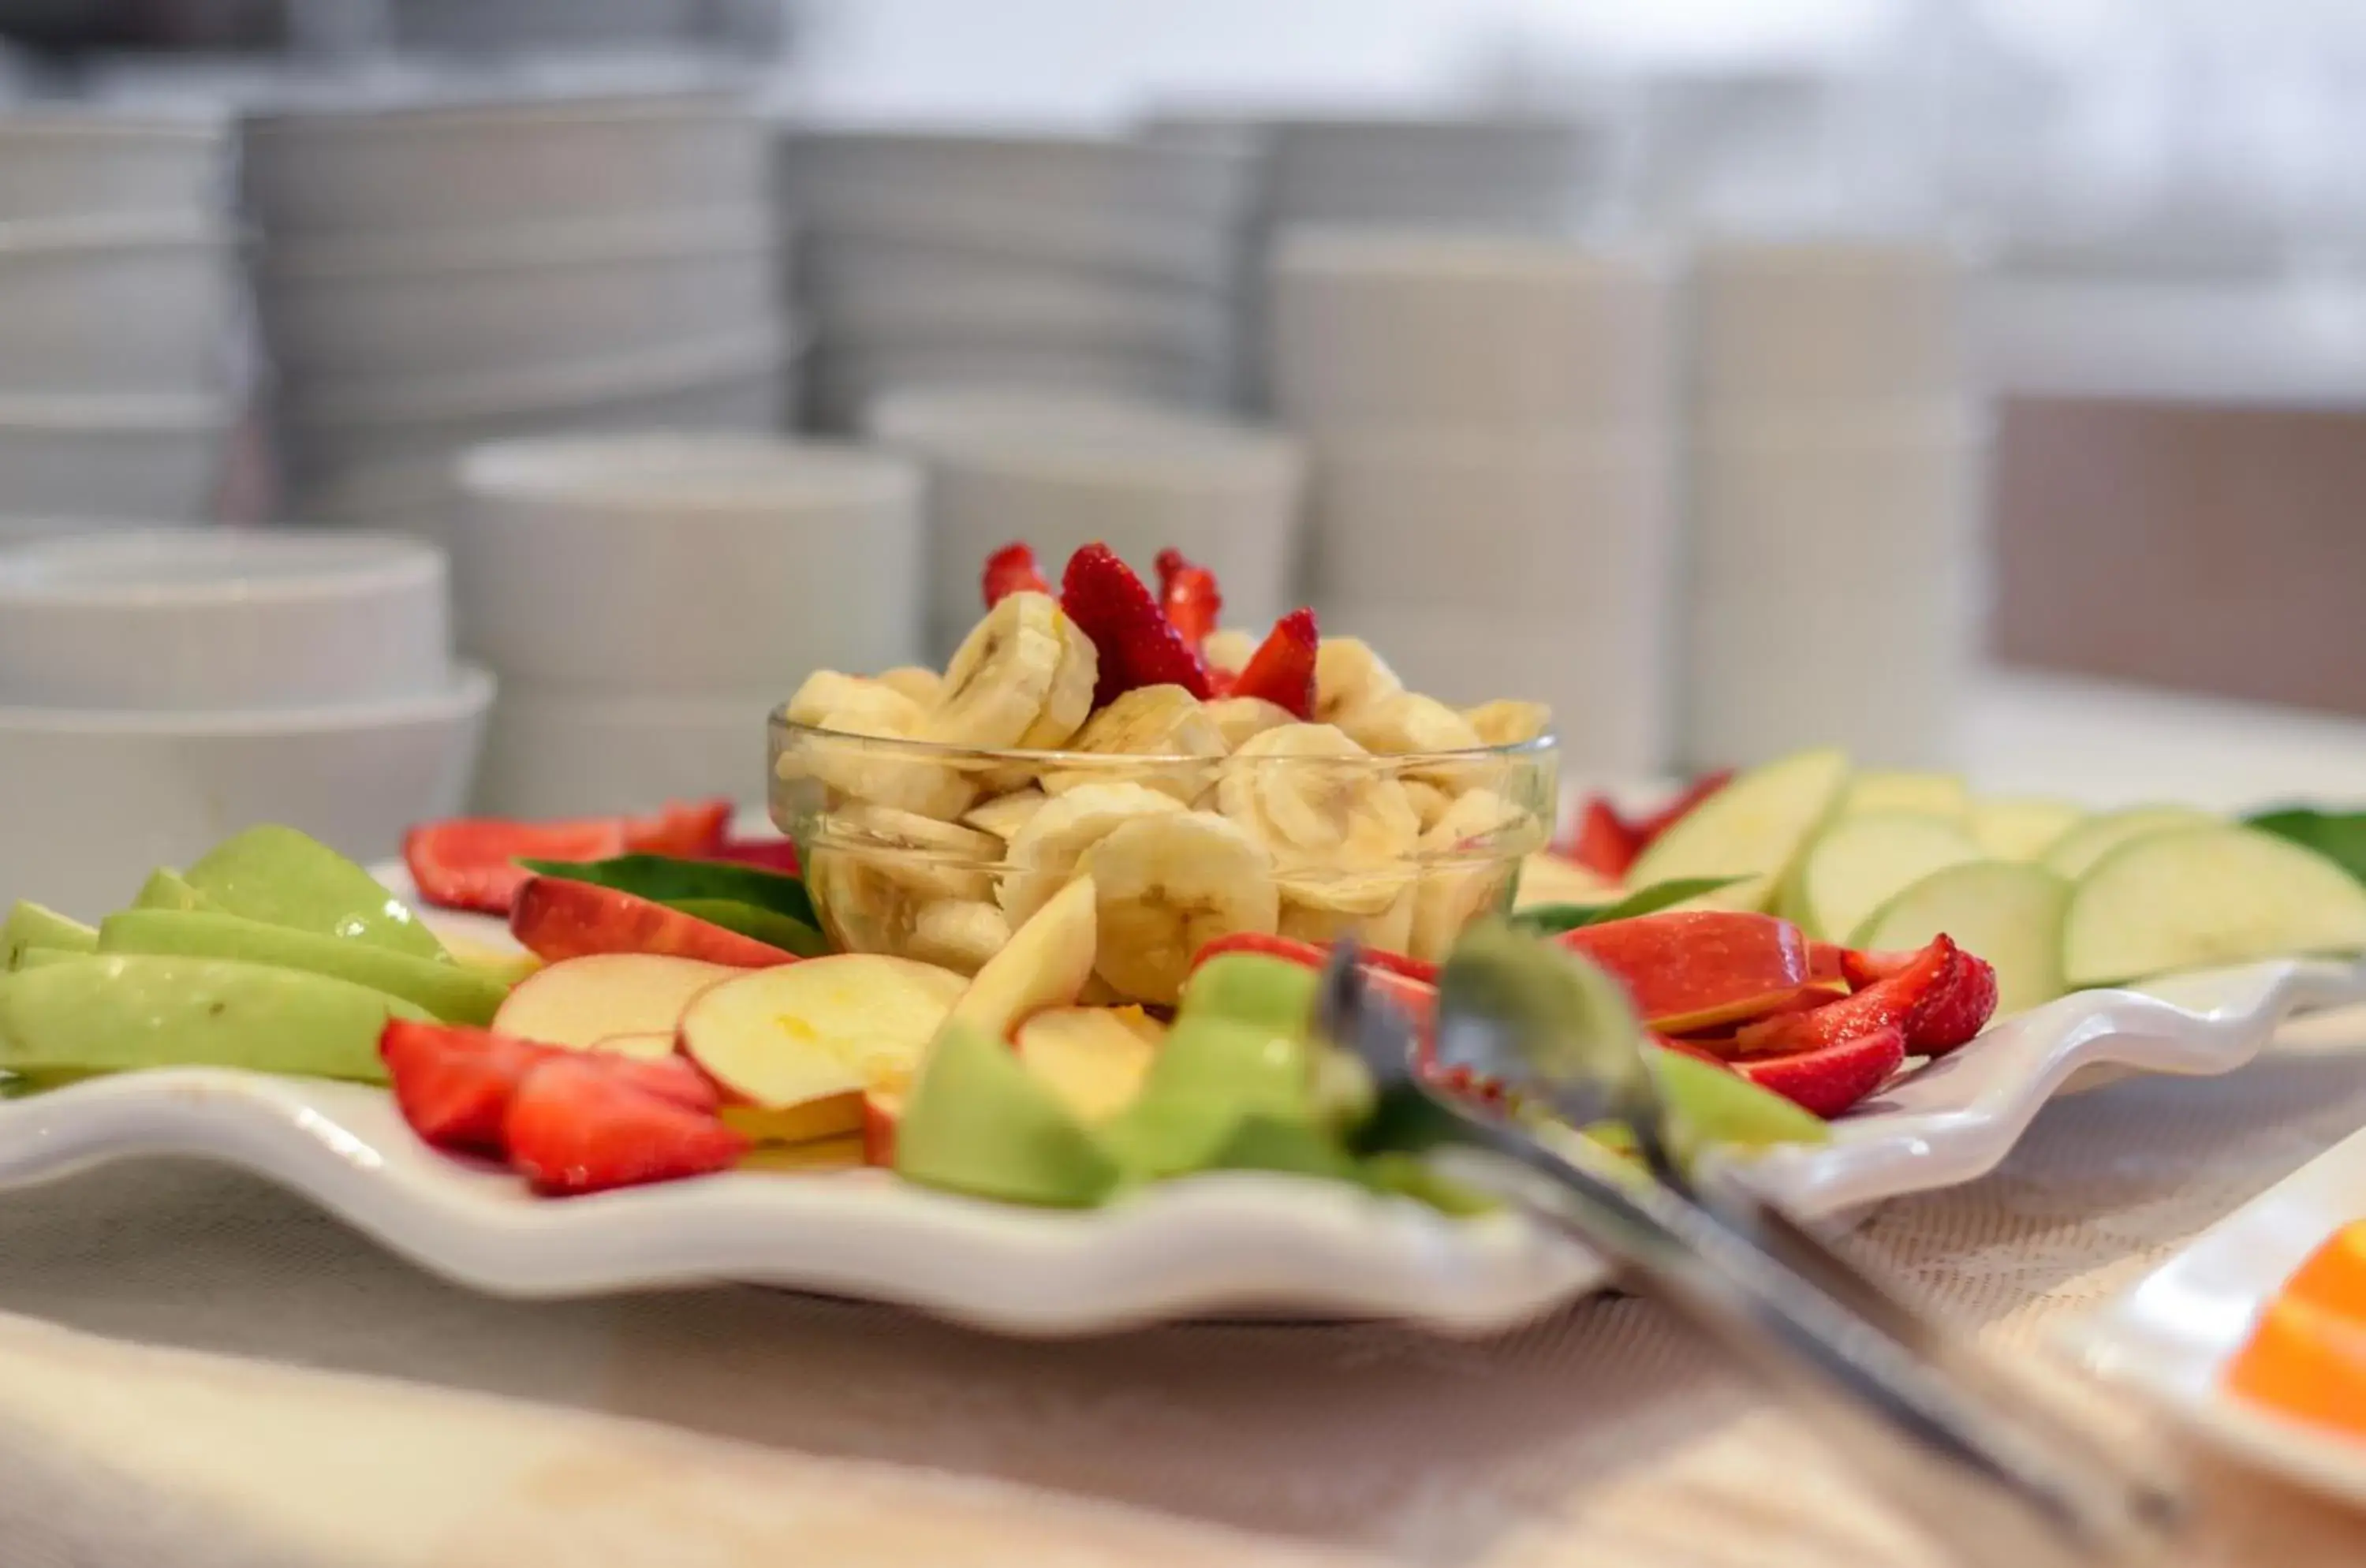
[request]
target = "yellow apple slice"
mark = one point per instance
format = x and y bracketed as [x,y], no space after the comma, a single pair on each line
[1044,965]
[1094,1059]
[1753,829]
[1876,791]
[2196,897]
[795,1048]
[815,1156]
[2022,829]
[581,1001]
[2082,848]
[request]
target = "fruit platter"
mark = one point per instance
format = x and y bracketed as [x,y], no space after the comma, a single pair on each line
[1015,1023]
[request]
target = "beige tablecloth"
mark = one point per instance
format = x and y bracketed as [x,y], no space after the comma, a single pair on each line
[195,1369]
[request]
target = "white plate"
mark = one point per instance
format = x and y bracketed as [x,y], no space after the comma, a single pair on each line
[2173,1333]
[1226,1243]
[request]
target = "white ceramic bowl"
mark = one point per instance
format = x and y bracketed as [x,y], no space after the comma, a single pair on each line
[119,306]
[848,380]
[154,458]
[461,166]
[417,496]
[1114,175]
[884,307]
[1609,676]
[656,565]
[1783,325]
[482,305]
[60,163]
[552,755]
[738,383]
[1063,471]
[1194,251]
[98,800]
[1387,329]
[1489,521]
[203,619]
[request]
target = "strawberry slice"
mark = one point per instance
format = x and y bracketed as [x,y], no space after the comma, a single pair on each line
[452,1085]
[1828,964]
[1605,842]
[1138,645]
[689,830]
[573,1126]
[1190,596]
[1013,569]
[1832,1078]
[1959,1011]
[554,918]
[674,1078]
[1863,969]
[1282,670]
[470,863]
[1676,810]
[1892,1003]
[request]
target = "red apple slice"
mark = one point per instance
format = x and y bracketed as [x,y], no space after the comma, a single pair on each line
[556,919]
[795,1049]
[1092,1058]
[882,1110]
[579,1002]
[1694,969]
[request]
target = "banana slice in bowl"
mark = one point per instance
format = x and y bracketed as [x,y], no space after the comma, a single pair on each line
[1047,850]
[1166,884]
[1137,734]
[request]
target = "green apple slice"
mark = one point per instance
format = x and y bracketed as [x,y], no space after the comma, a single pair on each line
[30,925]
[2078,851]
[452,993]
[1875,791]
[1860,862]
[281,876]
[978,1122]
[2196,897]
[2021,828]
[2007,911]
[1753,829]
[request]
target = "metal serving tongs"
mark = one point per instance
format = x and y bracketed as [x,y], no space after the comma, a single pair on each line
[2013,1474]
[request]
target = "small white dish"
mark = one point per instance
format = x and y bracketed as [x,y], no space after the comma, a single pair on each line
[566,754]
[207,619]
[2171,1336]
[155,459]
[1114,175]
[782,556]
[481,304]
[1226,1243]
[1388,329]
[1182,248]
[434,165]
[98,799]
[129,306]
[85,163]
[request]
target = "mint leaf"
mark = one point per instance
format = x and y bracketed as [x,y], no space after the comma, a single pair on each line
[663,879]
[1551,919]
[2338,835]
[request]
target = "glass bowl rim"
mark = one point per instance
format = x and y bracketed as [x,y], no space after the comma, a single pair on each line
[1546,745]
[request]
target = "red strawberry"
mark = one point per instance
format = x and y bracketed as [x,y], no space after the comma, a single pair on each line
[1830,1079]
[1863,969]
[1190,596]
[1013,569]
[573,1126]
[689,829]
[1892,1003]
[1138,646]
[1282,670]
[1828,964]
[675,1079]
[1676,810]
[454,1084]
[1604,844]
[470,863]
[1957,1011]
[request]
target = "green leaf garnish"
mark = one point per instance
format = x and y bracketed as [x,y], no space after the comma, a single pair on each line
[2338,835]
[1551,919]
[763,925]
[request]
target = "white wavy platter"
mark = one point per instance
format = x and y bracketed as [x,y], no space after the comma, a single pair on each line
[2172,1335]
[1209,1245]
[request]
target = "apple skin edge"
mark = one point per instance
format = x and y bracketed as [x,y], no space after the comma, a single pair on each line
[554,918]
[1696,969]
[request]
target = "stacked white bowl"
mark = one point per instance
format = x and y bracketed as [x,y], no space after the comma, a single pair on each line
[1097,264]
[439,274]
[1490,433]
[161,689]
[648,599]
[121,315]
[1058,470]
[1839,454]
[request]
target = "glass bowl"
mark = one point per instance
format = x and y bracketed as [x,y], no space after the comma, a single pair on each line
[936,852]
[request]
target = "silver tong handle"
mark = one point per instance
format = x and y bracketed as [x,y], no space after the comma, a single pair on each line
[1871,1386]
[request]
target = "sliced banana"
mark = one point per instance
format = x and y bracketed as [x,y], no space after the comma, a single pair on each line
[1149,721]
[1467,869]
[1069,701]
[1349,675]
[941,859]
[959,934]
[1228,648]
[1005,814]
[850,705]
[1045,851]
[830,700]
[1390,926]
[1007,682]
[1237,718]
[923,686]
[1169,884]
[1408,725]
[1429,802]
[1507,721]
[1314,799]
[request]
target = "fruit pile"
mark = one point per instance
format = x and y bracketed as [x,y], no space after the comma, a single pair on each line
[2306,1355]
[1209,782]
